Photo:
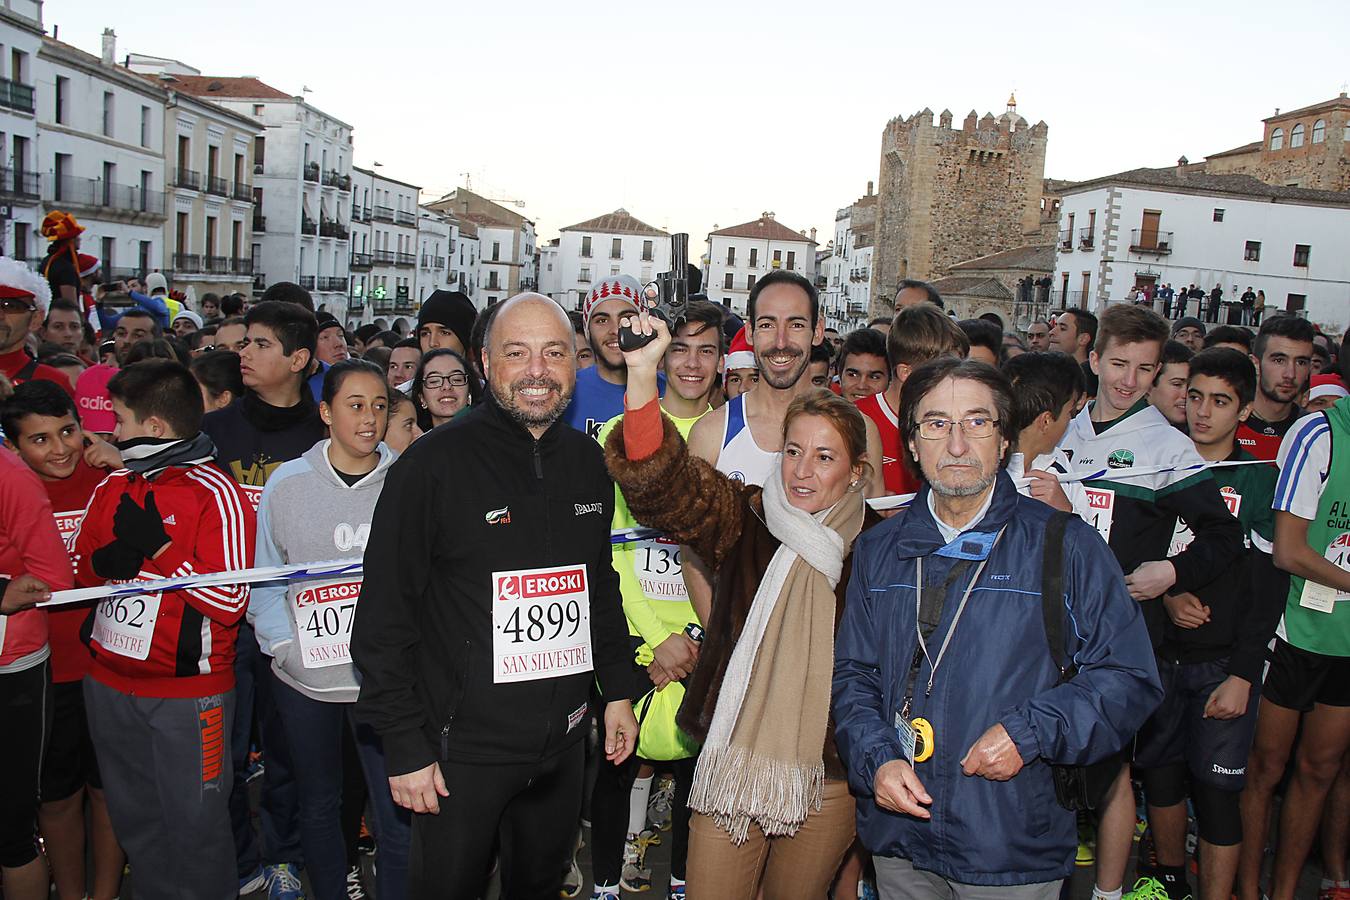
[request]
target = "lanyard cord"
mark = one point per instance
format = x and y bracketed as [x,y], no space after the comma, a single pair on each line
[922,652]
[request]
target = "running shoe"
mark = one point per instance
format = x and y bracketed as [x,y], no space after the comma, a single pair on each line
[676,890]
[283,883]
[355,889]
[365,841]
[248,883]
[867,890]
[255,765]
[1087,843]
[649,837]
[572,882]
[1147,889]
[1151,889]
[634,876]
[604,892]
[1334,893]
[1140,826]
[659,807]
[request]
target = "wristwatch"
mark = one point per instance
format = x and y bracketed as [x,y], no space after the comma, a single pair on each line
[694,631]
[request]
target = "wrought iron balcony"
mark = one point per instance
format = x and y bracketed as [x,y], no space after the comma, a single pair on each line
[20,185]
[307,282]
[1149,241]
[360,261]
[405,259]
[217,185]
[382,257]
[243,192]
[187,178]
[311,172]
[241,265]
[184,263]
[16,95]
[403,217]
[308,225]
[1085,238]
[1066,239]
[96,193]
[384,213]
[259,223]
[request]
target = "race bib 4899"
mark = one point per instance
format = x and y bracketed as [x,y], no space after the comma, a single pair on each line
[541,623]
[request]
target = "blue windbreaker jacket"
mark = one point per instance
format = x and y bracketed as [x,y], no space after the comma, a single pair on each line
[997,669]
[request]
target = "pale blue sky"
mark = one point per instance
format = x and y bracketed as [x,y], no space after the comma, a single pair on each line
[695,113]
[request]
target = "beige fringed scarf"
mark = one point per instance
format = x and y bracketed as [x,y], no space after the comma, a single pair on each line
[762,760]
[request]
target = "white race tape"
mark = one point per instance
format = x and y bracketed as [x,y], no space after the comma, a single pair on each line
[331,568]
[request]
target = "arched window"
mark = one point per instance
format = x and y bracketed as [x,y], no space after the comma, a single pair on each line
[1277,139]
[1319,131]
[1296,136]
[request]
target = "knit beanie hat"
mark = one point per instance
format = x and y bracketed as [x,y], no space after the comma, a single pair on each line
[453,309]
[326,321]
[620,287]
[740,355]
[190,315]
[1188,322]
[156,281]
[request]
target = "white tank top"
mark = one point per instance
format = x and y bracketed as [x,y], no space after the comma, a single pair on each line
[741,458]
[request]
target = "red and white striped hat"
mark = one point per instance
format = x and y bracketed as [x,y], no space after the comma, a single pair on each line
[615,287]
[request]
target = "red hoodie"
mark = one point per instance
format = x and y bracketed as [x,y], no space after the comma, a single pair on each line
[69,497]
[179,643]
[29,544]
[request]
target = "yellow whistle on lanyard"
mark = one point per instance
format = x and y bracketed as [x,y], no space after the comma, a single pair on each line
[923,739]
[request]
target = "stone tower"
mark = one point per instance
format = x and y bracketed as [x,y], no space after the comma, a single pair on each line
[951,194]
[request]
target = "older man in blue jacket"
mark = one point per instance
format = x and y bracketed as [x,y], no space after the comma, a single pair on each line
[948,706]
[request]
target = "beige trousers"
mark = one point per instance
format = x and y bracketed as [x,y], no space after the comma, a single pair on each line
[800,867]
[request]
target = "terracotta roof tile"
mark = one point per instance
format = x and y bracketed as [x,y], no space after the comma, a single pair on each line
[618,222]
[1236,185]
[972,286]
[764,228]
[212,86]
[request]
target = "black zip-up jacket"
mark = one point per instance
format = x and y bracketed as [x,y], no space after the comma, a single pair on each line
[477,496]
[253,438]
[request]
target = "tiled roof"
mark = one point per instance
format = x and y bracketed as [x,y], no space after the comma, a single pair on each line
[466,228]
[1253,147]
[764,228]
[1235,185]
[483,219]
[222,86]
[1340,102]
[1034,257]
[972,286]
[618,222]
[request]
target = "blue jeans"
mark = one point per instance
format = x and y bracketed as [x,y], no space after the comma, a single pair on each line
[279,809]
[314,733]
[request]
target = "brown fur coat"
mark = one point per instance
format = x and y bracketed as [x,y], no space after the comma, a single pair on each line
[723,522]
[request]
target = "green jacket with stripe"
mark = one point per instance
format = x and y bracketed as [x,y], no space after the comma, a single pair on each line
[1137,514]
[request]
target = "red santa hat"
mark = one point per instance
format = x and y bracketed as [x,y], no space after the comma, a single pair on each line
[1327,385]
[88,264]
[741,356]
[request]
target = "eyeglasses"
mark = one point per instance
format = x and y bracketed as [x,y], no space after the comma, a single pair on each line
[971,427]
[16,305]
[454,379]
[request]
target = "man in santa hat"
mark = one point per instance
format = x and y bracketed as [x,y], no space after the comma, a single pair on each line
[24,298]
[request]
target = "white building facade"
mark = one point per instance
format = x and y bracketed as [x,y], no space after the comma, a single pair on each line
[1161,226]
[384,243]
[738,256]
[464,272]
[302,187]
[616,243]
[208,233]
[550,273]
[435,240]
[20,183]
[100,152]
[508,257]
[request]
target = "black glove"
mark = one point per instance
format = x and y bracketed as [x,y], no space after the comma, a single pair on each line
[117,560]
[142,529]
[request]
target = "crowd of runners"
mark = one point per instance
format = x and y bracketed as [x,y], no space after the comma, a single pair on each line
[932,609]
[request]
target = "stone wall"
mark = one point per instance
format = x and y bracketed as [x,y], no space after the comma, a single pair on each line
[951,194]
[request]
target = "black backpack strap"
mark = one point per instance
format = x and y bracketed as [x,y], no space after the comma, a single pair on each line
[27,372]
[1052,591]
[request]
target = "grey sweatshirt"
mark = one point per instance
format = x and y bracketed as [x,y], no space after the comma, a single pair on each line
[309,514]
